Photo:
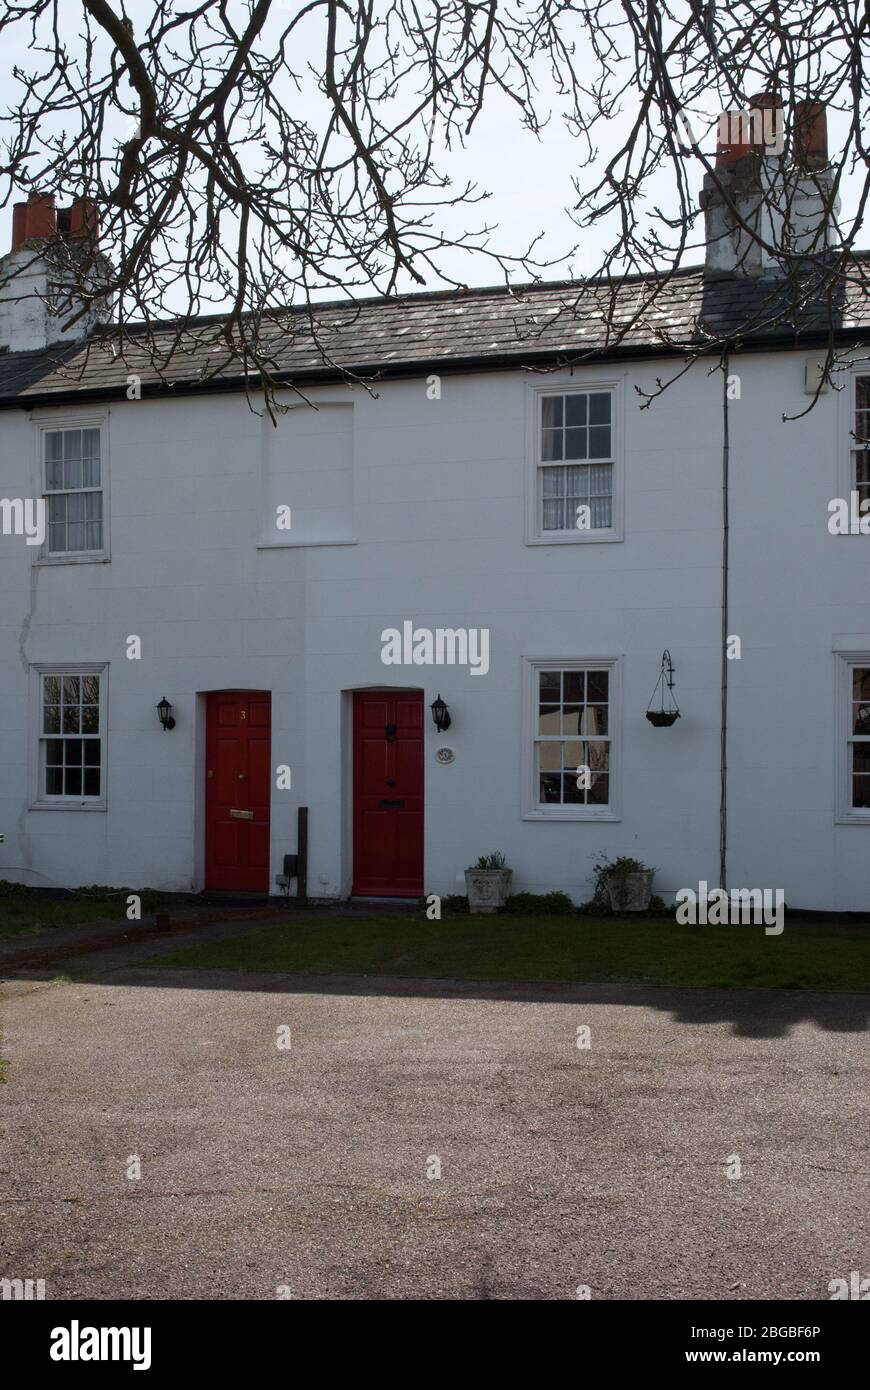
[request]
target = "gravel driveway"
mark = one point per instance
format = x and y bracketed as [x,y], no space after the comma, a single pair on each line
[310,1170]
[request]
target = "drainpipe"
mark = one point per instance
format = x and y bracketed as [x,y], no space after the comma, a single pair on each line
[723,734]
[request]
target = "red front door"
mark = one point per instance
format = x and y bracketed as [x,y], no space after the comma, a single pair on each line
[237,790]
[388,794]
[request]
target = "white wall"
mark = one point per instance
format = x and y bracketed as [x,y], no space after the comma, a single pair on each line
[437,502]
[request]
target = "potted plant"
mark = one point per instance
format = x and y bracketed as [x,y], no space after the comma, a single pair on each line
[488,883]
[627,883]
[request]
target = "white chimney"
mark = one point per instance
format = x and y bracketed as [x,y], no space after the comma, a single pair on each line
[53,258]
[793,209]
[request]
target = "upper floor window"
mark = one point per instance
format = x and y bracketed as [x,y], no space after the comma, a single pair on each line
[72,470]
[861,440]
[576,475]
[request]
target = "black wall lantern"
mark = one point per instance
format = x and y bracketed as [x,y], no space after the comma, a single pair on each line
[164,712]
[440,714]
[665,713]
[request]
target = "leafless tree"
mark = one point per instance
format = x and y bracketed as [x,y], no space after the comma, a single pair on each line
[249,179]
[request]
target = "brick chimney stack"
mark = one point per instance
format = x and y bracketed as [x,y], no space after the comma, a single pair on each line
[52,260]
[792,208]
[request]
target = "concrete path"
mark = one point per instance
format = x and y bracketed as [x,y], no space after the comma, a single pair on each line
[310,1170]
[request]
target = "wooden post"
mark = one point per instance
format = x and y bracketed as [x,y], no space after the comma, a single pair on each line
[302,852]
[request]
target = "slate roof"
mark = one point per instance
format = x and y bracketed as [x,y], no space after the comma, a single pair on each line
[534,325]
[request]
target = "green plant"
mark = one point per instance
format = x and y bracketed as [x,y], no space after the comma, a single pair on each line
[604,869]
[496,860]
[11,890]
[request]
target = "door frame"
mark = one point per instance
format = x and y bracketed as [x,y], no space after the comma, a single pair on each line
[347,771]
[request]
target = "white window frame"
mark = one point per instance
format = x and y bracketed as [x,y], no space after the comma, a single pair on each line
[39,800]
[846,813]
[852,448]
[532,809]
[50,424]
[577,384]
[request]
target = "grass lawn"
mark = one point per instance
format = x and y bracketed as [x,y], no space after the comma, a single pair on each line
[605,949]
[28,912]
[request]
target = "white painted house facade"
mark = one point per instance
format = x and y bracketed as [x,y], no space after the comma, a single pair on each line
[250,574]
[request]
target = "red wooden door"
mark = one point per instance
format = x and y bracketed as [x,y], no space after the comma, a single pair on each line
[388,794]
[237,790]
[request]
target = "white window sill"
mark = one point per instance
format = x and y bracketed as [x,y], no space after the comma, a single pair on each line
[853,818]
[78,557]
[68,804]
[598,537]
[299,545]
[567,813]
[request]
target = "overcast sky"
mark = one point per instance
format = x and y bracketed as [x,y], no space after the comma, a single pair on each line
[529,179]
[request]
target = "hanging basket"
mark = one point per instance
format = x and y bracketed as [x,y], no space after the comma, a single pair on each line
[662,710]
[662,719]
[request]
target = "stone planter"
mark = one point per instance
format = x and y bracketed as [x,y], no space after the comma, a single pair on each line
[487,889]
[630,892]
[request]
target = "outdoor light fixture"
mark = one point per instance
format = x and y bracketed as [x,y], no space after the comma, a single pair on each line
[164,712]
[440,714]
[667,712]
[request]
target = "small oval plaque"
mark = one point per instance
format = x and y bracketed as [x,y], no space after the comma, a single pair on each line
[444,755]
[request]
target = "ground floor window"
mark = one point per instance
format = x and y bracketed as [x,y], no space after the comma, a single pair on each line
[570,739]
[71,739]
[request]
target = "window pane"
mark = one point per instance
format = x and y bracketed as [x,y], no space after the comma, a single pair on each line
[72,472]
[72,686]
[550,757]
[51,690]
[577,444]
[51,719]
[597,683]
[553,481]
[598,756]
[90,719]
[862,393]
[71,717]
[599,790]
[54,752]
[602,514]
[554,516]
[861,719]
[576,410]
[551,786]
[92,752]
[72,752]
[92,781]
[574,685]
[548,720]
[572,795]
[54,781]
[571,721]
[594,720]
[551,412]
[861,791]
[551,445]
[549,685]
[861,757]
[861,683]
[599,408]
[90,690]
[54,459]
[599,442]
[572,754]
[72,781]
